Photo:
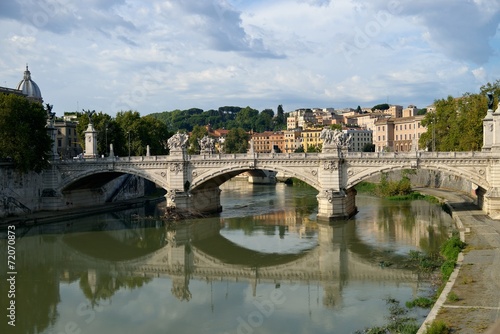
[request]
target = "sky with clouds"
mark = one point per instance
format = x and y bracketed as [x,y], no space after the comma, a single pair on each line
[161,55]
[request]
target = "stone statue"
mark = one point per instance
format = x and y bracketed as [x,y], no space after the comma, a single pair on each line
[177,141]
[206,144]
[327,136]
[490,100]
[50,114]
[89,115]
[335,139]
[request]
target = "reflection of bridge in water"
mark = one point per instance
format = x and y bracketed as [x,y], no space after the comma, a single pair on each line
[196,250]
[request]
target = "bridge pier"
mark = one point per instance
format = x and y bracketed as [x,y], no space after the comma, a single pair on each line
[200,201]
[336,205]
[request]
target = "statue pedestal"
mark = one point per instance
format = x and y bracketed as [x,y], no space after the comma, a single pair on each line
[90,142]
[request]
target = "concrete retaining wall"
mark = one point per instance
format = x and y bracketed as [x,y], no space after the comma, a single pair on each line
[434,179]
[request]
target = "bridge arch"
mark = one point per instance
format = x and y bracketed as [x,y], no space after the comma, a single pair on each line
[467,174]
[214,178]
[99,177]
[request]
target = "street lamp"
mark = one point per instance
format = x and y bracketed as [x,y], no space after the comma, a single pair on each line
[128,145]
[434,132]
[106,149]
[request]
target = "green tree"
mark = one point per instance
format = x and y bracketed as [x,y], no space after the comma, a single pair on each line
[280,119]
[140,132]
[383,106]
[236,141]
[442,129]
[299,149]
[154,133]
[197,133]
[369,147]
[23,135]
[314,149]
[471,111]
[336,127]
[456,124]
[245,119]
[264,121]
[358,110]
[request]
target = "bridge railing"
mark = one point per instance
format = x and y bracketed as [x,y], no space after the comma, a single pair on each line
[243,156]
[286,156]
[417,154]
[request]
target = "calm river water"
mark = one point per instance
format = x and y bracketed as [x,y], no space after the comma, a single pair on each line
[264,266]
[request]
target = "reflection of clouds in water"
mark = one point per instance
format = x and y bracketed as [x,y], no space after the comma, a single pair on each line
[270,240]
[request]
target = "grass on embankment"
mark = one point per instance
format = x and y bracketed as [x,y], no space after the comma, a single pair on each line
[375,190]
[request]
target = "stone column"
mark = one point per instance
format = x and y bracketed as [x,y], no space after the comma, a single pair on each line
[494,130]
[491,199]
[487,131]
[90,142]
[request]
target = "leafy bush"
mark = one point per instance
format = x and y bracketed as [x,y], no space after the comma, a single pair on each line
[447,269]
[421,302]
[452,247]
[438,327]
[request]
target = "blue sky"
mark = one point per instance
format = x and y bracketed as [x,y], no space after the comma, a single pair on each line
[152,56]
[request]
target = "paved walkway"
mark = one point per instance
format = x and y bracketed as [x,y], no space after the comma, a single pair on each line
[475,284]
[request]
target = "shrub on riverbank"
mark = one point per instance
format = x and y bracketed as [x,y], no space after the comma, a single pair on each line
[399,321]
[450,250]
[438,327]
[375,190]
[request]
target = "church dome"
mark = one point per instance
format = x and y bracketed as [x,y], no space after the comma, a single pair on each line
[29,87]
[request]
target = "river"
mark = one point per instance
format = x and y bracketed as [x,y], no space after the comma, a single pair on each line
[265,265]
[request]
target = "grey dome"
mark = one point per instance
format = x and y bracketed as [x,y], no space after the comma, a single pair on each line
[29,87]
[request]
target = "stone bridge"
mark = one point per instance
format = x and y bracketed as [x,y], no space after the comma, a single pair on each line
[192,181]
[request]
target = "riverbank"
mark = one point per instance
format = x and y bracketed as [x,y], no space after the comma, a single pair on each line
[44,217]
[470,302]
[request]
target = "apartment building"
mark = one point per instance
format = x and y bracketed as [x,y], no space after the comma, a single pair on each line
[293,140]
[359,138]
[395,111]
[398,134]
[383,135]
[268,141]
[310,139]
[67,139]
[407,132]
[410,111]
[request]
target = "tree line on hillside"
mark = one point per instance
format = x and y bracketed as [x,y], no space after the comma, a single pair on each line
[225,117]
[455,125]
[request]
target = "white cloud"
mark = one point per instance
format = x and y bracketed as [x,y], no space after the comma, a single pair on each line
[480,74]
[153,56]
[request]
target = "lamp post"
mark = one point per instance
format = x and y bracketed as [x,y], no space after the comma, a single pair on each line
[128,145]
[106,150]
[434,132]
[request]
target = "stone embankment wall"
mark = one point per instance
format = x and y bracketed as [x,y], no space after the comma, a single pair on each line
[434,179]
[19,192]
